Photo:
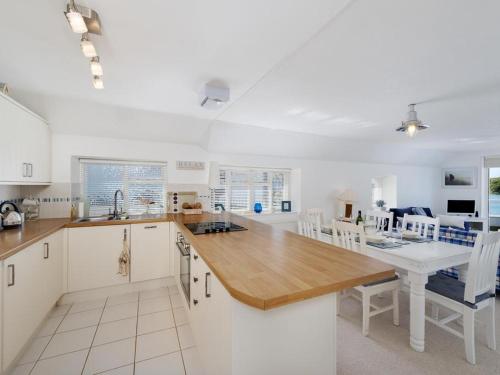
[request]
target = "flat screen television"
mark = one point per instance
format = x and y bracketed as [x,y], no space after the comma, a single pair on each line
[467,207]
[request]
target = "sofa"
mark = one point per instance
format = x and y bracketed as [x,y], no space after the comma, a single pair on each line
[458,236]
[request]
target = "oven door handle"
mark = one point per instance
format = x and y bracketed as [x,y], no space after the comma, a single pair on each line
[182,250]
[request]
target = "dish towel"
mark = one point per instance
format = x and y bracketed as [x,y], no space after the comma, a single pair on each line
[124,259]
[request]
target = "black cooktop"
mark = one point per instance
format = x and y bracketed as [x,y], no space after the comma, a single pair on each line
[213,227]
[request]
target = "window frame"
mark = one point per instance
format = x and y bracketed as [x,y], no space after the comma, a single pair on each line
[127,182]
[251,186]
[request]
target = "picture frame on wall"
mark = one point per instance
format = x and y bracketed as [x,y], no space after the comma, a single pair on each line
[459,178]
[286,206]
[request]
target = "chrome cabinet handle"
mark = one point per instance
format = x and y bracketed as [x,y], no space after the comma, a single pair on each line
[12,269]
[207,294]
[25,169]
[151,227]
[195,301]
[31,170]
[195,279]
[124,234]
[195,256]
[46,250]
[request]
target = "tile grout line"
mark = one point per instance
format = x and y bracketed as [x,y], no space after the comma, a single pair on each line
[136,331]
[51,337]
[178,339]
[93,338]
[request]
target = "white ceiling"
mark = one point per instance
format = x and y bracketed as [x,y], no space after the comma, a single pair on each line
[333,69]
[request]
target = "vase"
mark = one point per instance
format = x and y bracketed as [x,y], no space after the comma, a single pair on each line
[257,208]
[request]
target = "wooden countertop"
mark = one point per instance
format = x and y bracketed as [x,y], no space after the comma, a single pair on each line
[267,267]
[133,219]
[16,239]
[264,267]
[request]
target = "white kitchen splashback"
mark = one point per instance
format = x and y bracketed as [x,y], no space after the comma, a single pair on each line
[55,200]
[10,193]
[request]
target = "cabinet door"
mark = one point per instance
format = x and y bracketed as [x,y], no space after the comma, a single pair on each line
[93,254]
[150,251]
[39,151]
[53,268]
[11,165]
[23,295]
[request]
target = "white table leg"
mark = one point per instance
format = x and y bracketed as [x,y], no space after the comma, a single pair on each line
[417,310]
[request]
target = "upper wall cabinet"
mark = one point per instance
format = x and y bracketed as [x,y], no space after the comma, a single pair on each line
[25,147]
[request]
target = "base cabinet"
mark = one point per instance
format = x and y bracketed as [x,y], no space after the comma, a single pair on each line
[150,256]
[32,284]
[93,254]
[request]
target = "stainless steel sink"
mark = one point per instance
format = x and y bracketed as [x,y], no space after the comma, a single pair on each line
[100,218]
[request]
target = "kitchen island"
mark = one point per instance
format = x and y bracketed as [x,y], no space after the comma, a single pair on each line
[263,301]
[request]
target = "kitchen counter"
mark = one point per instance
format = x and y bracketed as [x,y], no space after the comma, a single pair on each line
[15,239]
[266,267]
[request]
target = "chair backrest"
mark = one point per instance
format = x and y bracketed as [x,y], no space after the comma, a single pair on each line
[307,227]
[381,219]
[420,224]
[345,235]
[482,272]
[317,215]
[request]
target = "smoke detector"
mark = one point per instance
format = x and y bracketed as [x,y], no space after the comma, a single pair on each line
[214,96]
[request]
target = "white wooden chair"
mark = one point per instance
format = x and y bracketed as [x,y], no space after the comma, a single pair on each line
[381,219]
[316,214]
[421,224]
[345,235]
[466,299]
[307,227]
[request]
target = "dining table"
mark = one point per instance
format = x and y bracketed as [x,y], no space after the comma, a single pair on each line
[417,260]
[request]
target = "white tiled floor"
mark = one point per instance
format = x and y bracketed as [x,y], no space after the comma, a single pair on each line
[142,333]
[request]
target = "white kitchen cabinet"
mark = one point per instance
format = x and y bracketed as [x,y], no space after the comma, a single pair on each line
[32,284]
[25,156]
[210,317]
[150,251]
[53,268]
[93,254]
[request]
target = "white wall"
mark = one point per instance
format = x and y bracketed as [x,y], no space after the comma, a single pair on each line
[477,193]
[319,182]
[9,192]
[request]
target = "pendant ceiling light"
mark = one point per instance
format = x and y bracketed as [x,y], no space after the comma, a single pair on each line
[98,82]
[412,125]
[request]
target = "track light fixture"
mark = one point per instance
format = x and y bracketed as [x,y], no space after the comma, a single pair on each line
[83,20]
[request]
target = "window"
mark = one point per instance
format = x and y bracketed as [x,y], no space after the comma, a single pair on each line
[143,185]
[240,188]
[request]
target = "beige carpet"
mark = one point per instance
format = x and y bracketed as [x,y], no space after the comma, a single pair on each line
[387,350]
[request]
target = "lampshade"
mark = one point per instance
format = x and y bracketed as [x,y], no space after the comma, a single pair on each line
[88,48]
[96,67]
[348,196]
[76,21]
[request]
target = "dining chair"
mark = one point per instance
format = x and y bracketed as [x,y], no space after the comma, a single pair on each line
[352,237]
[307,227]
[467,299]
[421,225]
[382,219]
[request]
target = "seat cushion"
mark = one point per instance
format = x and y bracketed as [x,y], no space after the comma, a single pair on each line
[453,289]
[395,277]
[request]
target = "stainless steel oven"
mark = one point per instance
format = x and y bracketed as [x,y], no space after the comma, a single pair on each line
[184,265]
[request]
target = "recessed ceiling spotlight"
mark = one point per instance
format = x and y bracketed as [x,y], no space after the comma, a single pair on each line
[96,67]
[87,46]
[98,82]
[412,125]
[75,19]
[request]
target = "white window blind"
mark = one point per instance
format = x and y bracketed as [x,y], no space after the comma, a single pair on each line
[240,188]
[140,182]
